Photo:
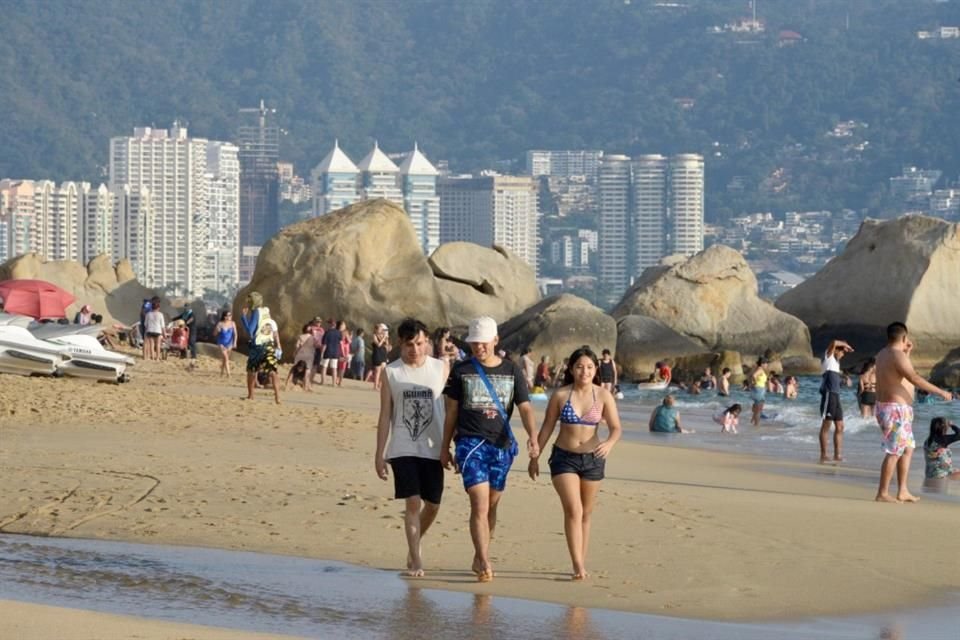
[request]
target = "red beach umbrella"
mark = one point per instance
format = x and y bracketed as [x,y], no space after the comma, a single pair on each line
[35,298]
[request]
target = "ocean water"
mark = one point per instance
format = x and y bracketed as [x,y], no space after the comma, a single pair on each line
[330,600]
[789,430]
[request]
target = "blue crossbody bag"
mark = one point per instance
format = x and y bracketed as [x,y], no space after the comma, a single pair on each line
[514,447]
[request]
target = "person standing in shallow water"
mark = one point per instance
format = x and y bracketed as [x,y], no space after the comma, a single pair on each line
[831,411]
[896,381]
[579,456]
[411,419]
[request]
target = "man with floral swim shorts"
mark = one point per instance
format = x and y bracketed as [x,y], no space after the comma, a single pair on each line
[896,381]
[481,394]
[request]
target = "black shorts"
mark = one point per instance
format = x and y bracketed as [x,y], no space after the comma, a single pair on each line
[830,408]
[153,334]
[585,465]
[414,476]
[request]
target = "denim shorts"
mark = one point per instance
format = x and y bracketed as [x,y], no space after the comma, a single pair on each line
[585,465]
[758,395]
[480,461]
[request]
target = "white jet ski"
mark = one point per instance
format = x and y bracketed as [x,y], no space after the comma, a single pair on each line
[23,354]
[653,386]
[88,358]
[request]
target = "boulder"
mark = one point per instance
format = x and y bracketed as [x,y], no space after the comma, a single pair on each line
[112,291]
[364,264]
[946,373]
[480,281]
[557,325]
[642,341]
[711,298]
[690,368]
[893,270]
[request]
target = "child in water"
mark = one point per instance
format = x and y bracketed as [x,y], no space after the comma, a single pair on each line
[728,419]
[936,450]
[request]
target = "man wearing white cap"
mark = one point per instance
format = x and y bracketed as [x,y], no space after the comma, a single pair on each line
[481,394]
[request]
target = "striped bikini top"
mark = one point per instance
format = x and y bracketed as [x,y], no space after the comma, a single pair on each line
[590,419]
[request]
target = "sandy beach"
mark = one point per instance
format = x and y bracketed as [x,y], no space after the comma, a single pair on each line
[175,457]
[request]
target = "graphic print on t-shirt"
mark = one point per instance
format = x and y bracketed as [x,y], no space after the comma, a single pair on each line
[417,411]
[477,398]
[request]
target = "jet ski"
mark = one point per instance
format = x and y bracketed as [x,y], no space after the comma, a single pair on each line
[23,354]
[88,358]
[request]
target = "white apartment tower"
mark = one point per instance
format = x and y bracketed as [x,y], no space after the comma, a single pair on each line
[97,221]
[218,231]
[39,217]
[420,200]
[613,252]
[649,206]
[173,166]
[564,163]
[334,182]
[379,177]
[490,210]
[685,216]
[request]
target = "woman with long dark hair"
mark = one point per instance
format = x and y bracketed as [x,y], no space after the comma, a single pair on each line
[579,456]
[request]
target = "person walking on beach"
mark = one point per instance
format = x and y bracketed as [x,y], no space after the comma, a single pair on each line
[358,351]
[481,395]
[155,330]
[409,432]
[579,456]
[381,347]
[896,381]
[830,409]
[261,353]
[608,371]
[225,333]
[757,382]
[529,367]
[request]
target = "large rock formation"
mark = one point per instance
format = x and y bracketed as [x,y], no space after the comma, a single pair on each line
[364,264]
[475,280]
[557,325]
[712,299]
[643,341]
[897,270]
[112,291]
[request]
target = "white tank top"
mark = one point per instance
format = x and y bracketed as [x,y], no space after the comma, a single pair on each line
[417,424]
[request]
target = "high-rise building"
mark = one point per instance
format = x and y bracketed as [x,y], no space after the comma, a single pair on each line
[564,164]
[490,210]
[258,141]
[685,214]
[334,182]
[134,227]
[97,224]
[39,216]
[420,200]
[379,177]
[614,251]
[220,225]
[172,168]
[18,224]
[649,209]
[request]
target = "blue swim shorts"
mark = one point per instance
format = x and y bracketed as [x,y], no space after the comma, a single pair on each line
[481,461]
[758,395]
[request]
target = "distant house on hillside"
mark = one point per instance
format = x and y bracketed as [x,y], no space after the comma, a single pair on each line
[789,38]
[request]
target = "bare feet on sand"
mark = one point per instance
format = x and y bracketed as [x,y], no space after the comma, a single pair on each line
[907,497]
[885,497]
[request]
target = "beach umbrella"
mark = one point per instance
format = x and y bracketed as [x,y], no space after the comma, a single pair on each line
[35,298]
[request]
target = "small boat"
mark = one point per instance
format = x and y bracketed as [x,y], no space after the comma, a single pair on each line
[653,386]
[88,359]
[23,354]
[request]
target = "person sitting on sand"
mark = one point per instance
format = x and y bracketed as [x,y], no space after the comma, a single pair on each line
[84,316]
[579,456]
[939,459]
[298,374]
[665,418]
[409,431]
[728,419]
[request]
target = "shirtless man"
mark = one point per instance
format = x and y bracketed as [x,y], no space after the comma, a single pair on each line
[896,380]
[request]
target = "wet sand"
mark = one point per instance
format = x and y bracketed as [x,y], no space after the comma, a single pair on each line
[175,457]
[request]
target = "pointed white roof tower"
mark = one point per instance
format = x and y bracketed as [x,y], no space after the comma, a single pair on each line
[416,164]
[336,162]
[377,162]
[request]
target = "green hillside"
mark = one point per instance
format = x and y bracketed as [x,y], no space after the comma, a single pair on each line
[487,79]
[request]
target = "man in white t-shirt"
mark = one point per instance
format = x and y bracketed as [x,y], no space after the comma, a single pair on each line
[411,419]
[830,408]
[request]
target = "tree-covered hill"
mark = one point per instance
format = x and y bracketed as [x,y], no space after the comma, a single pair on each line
[487,79]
